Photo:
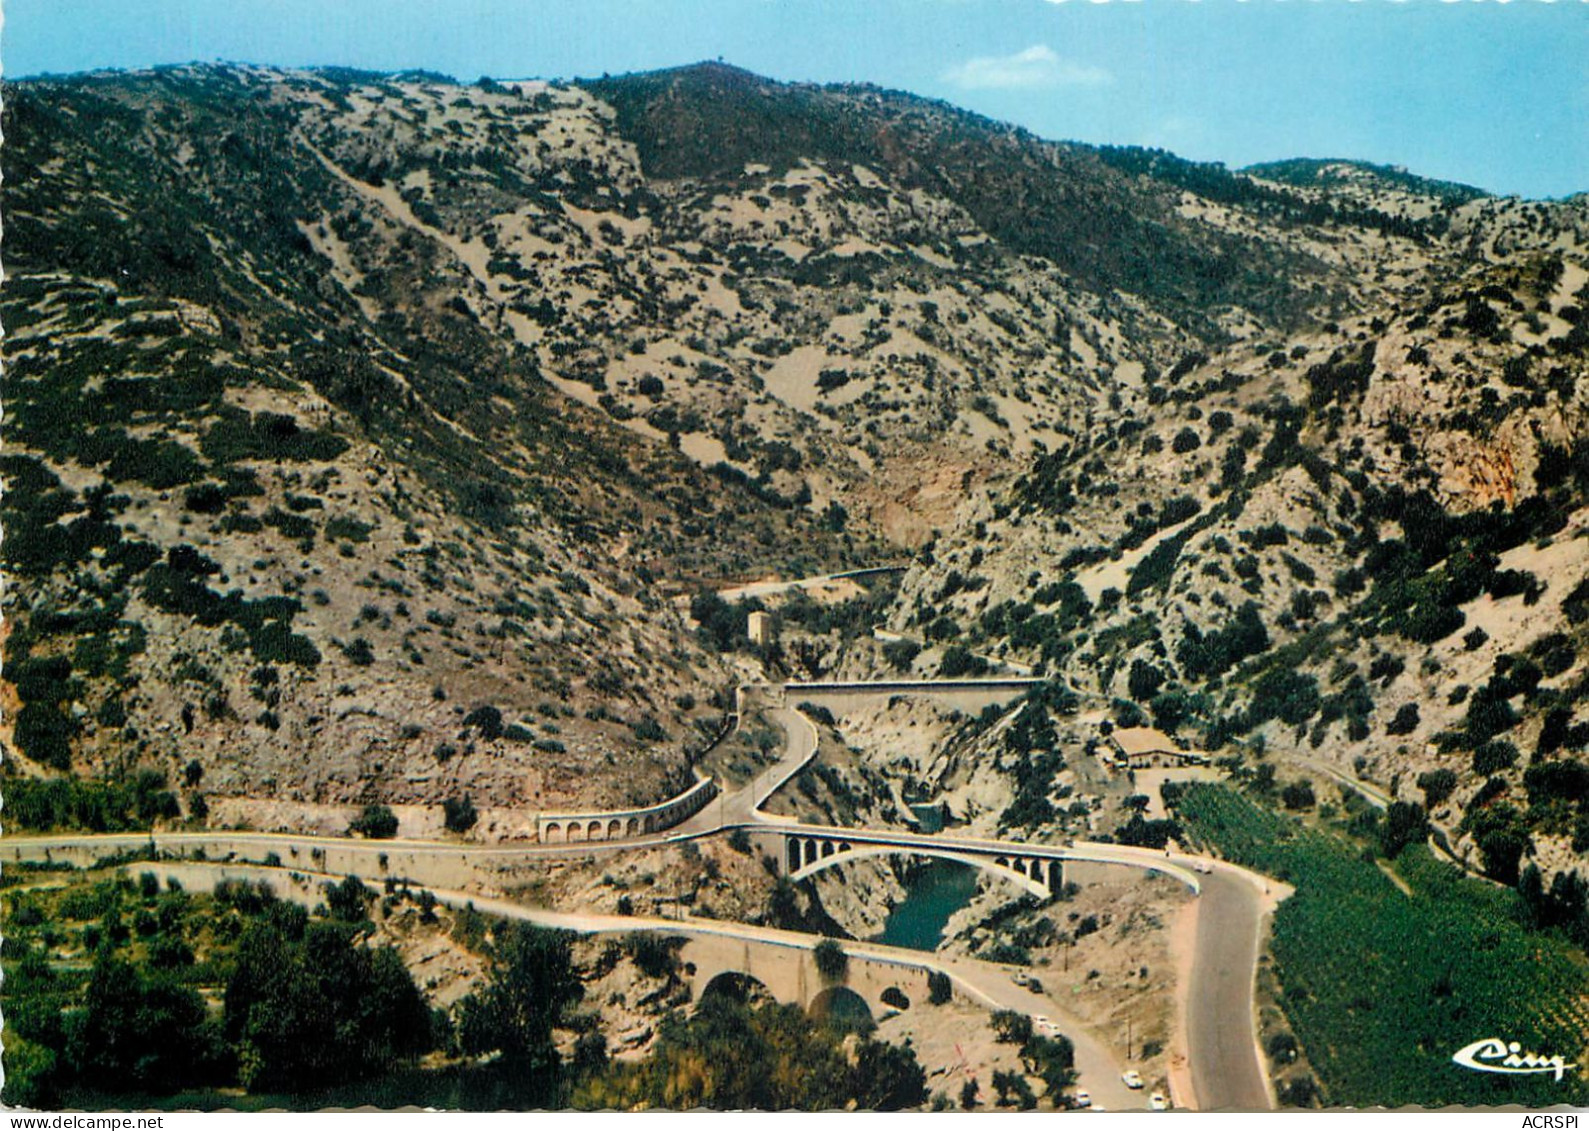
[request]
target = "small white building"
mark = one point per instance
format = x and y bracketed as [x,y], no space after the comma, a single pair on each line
[758,626]
[1142,748]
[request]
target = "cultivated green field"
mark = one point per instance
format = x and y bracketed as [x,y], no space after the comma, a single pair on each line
[1381,987]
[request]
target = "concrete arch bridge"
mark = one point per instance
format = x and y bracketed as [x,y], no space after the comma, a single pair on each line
[1040,869]
[805,856]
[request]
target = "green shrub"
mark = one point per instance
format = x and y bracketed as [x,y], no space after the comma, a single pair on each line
[458,814]
[375,822]
[831,961]
[1405,721]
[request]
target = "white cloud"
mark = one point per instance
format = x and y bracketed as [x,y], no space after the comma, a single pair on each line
[1035,68]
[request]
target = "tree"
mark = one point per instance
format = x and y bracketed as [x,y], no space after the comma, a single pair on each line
[1011,1027]
[1285,694]
[349,900]
[1494,756]
[1171,709]
[376,822]
[137,1031]
[1143,833]
[1298,795]
[532,982]
[1502,837]
[1405,824]
[1406,720]
[653,955]
[1013,1088]
[1437,785]
[939,988]
[1186,440]
[968,1094]
[488,719]
[886,1077]
[1052,1060]
[1282,1048]
[1144,681]
[590,1053]
[831,961]
[310,1006]
[458,814]
[723,624]
[960,661]
[900,654]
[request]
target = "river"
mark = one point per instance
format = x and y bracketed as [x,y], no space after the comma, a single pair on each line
[933,893]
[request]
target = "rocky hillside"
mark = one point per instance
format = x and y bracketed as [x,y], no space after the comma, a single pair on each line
[1365,546]
[360,429]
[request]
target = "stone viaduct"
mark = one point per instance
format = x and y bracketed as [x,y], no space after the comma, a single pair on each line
[788,972]
[969,695]
[569,828]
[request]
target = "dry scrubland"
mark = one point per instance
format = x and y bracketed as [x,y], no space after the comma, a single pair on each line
[373,441]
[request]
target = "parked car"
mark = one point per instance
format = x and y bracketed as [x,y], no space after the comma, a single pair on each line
[1083,1098]
[1132,1078]
[1044,1025]
[1157,1102]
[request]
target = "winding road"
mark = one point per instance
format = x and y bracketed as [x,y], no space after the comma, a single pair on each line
[1226,1068]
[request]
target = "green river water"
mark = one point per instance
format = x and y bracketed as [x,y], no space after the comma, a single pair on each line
[933,893]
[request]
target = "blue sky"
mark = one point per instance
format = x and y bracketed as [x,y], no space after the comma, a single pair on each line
[1490,93]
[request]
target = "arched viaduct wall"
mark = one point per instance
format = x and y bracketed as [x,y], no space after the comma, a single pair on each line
[571,828]
[790,974]
[971,696]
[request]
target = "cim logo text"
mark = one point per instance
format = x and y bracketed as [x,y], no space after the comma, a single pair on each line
[1495,1055]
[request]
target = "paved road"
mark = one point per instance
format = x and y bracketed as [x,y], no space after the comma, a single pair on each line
[1097,1068]
[773,587]
[1225,1066]
[1371,793]
[1221,1016]
[743,806]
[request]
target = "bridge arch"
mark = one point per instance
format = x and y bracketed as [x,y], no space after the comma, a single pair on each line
[843,1008]
[1000,866]
[737,986]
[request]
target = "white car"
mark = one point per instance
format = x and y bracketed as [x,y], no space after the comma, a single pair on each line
[1043,1025]
[1204,867]
[1132,1078]
[1157,1102]
[1083,1098]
